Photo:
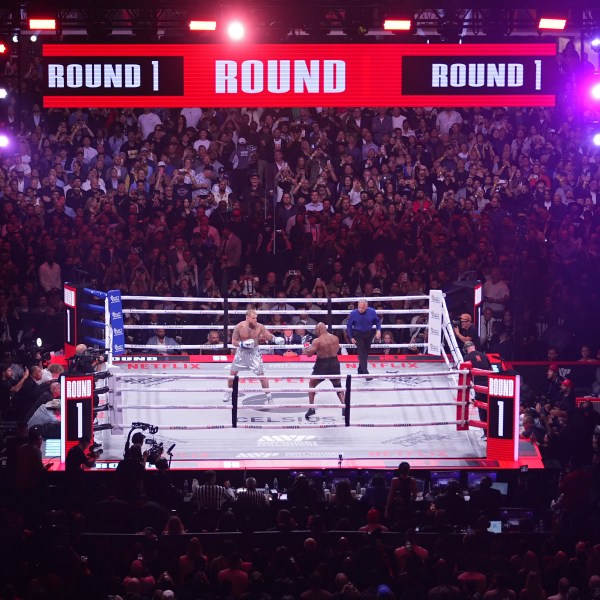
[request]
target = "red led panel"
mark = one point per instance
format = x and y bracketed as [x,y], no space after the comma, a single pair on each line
[299,75]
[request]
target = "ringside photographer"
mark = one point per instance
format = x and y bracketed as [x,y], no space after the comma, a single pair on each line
[86,360]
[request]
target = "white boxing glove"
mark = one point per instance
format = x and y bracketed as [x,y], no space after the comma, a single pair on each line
[278,340]
[248,344]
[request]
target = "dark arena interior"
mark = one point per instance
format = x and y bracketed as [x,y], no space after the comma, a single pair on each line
[299,301]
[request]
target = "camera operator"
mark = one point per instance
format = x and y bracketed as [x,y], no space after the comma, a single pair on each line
[81,456]
[137,443]
[160,488]
[465,330]
[85,361]
[130,472]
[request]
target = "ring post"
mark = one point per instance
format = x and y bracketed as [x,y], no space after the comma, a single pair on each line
[329,315]
[234,401]
[225,320]
[347,399]
[463,397]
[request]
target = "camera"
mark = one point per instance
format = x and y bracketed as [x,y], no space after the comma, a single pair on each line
[95,450]
[455,323]
[155,451]
[85,362]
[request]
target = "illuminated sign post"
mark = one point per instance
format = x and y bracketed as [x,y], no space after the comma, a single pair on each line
[503,417]
[174,75]
[77,410]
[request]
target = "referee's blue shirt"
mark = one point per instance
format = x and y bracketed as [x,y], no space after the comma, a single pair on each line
[363,322]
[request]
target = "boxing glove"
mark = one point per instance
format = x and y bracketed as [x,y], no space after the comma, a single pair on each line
[278,340]
[247,344]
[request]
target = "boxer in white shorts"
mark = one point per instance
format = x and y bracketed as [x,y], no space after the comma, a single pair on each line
[247,355]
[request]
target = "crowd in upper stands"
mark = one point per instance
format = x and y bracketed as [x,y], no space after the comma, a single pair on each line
[314,202]
[292,202]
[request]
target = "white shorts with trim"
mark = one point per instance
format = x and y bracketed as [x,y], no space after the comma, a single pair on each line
[248,360]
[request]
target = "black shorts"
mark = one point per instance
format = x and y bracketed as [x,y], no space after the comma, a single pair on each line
[327,366]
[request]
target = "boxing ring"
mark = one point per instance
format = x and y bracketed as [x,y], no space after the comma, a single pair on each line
[418,407]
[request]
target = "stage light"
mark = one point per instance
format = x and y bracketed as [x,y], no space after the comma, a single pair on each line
[496,23]
[38,342]
[236,31]
[397,24]
[203,25]
[99,24]
[316,23]
[596,139]
[595,91]
[3,93]
[34,38]
[4,141]
[144,24]
[15,38]
[3,48]
[356,23]
[552,23]
[595,44]
[45,24]
[450,26]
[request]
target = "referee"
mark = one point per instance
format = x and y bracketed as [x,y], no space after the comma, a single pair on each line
[210,496]
[360,331]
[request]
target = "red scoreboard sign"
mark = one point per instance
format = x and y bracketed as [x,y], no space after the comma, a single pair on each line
[77,411]
[177,75]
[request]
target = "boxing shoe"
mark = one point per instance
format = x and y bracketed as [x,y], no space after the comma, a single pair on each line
[227,397]
[309,413]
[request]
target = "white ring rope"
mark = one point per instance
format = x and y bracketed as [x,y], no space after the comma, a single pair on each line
[291,390]
[189,311]
[179,407]
[261,346]
[345,300]
[216,300]
[201,376]
[268,406]
[313,425]
[192,427]
[172,311]
[309,424]
[276,327]
[431,424]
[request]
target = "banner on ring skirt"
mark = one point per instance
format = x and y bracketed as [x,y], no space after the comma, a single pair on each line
[115,309]
[434,340]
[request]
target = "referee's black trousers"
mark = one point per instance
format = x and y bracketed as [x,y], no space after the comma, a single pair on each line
[363,346]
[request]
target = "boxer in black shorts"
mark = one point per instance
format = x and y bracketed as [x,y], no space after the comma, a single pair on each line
[326,346]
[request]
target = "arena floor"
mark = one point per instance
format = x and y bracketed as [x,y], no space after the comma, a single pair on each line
[309,440]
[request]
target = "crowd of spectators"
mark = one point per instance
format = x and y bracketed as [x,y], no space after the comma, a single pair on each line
[358,537]
[306,202]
